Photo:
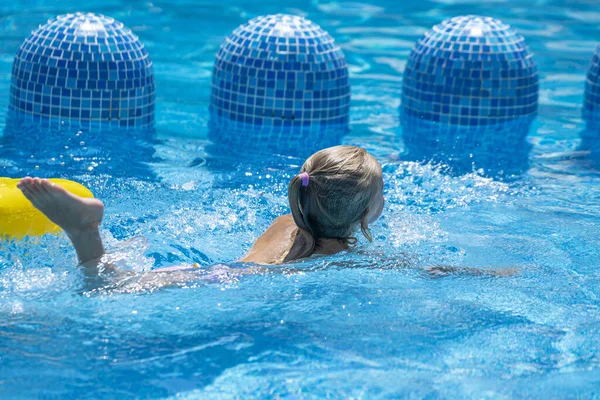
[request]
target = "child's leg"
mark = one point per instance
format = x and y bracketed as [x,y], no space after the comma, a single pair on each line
[78,217]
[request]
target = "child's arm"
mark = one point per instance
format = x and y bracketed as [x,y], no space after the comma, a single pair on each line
[446,270]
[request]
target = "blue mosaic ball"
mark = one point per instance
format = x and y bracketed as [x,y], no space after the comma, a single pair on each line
[590,136]
[591,104]
[279,80]
[84,67]
[470,71]
[470,92]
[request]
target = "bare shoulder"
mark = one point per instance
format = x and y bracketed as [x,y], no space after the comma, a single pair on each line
[284,219]
[274,244]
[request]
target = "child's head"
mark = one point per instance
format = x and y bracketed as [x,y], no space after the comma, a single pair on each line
[338,191]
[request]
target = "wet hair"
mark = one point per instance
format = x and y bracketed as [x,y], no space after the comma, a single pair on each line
[343,183]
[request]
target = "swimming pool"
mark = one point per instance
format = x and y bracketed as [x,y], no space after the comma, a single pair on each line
[358,325]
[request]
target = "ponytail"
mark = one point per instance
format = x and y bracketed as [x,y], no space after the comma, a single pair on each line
[304,242]
[364,226]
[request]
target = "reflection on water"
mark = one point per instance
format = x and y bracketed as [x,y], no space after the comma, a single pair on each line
[500,149]
[292,140]
[40,146]
[243,153]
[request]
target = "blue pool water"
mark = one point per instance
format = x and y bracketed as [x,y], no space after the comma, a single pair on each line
[369,324]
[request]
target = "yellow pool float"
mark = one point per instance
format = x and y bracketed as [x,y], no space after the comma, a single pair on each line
[19,218]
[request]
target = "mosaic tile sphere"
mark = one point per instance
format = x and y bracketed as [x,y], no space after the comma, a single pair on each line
[591,104]
[590,135]
[470,71]
[470,94]
[279,79]
[84,67]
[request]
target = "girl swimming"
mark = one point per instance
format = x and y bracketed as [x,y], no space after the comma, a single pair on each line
[337,193]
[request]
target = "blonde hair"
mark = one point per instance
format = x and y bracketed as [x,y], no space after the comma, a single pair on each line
[343,182]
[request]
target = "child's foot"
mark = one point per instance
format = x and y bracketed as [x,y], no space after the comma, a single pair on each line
[72,213]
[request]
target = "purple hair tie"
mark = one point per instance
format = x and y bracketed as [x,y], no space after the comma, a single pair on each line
[305,179]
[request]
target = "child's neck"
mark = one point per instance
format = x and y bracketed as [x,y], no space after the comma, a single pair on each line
[330,246]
